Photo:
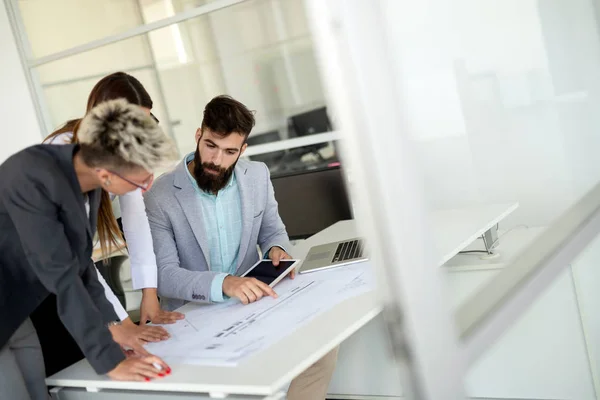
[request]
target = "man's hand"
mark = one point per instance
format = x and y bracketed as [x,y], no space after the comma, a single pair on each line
[150,310]
[129,335]
[248,290]
[276,254]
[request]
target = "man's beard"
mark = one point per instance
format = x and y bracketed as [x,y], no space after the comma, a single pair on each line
[208,182]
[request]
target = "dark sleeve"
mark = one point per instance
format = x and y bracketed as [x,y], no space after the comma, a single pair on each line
[96,291]
[49,254]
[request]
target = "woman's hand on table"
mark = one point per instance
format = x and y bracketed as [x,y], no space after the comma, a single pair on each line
[150,310]
[132,336]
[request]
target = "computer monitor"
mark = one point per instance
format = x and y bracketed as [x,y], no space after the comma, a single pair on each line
[262,138]
[309,123]
[271,159]
[310,201]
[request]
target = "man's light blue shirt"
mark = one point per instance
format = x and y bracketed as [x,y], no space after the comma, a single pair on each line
[222,215]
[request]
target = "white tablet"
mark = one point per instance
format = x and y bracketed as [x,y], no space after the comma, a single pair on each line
[266,272]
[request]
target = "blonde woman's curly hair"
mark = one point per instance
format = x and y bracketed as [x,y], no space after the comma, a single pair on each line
[121,136]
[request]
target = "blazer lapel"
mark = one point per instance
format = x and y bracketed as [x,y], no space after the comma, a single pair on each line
[187,198]
[246,189]
[66,160]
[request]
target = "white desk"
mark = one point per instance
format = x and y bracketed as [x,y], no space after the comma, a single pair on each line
[266,373]
[542,355]
[262,375]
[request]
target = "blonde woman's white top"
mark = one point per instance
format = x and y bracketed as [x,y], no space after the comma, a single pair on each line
[137,236]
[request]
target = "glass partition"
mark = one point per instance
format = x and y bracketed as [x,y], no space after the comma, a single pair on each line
[267,62]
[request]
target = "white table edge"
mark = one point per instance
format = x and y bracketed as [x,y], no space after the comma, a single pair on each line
[103,383]
[317,355]
[510,208]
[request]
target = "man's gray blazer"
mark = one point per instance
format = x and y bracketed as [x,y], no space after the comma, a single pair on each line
[181,241]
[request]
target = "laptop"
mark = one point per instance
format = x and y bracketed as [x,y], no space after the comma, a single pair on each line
[334,254]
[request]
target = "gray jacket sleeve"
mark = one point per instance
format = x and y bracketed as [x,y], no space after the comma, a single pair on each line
[174,281]
[49,254]
[272,230]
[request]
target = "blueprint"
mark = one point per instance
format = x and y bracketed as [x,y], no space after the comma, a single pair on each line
[225,334]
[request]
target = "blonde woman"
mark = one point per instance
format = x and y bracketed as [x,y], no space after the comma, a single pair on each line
[49,201]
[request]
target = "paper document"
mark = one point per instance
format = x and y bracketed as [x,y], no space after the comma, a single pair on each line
[225,334]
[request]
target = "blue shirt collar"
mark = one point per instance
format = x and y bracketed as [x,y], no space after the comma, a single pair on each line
[188,158]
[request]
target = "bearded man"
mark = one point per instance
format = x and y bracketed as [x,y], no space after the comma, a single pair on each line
[207,217]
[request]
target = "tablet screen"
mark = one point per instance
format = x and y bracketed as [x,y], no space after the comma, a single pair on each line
[266,272]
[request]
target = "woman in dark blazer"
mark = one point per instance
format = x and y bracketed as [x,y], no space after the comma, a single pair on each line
[49,197]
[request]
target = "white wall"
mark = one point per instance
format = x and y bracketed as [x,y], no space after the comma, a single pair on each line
[20,126]
[75,22]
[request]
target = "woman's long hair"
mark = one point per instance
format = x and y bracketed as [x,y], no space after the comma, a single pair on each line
[118,85]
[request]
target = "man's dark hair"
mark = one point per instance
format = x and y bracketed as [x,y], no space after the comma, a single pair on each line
[224,115]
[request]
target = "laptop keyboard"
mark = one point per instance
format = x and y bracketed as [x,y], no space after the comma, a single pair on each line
[348,251]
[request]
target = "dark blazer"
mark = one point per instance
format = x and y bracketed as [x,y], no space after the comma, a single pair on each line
[46,246]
